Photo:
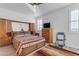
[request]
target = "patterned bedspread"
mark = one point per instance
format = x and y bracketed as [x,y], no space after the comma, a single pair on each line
[24,41]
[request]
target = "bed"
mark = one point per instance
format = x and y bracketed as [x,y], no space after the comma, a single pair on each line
[27,43]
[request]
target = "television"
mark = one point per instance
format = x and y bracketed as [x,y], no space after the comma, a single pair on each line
[46,25]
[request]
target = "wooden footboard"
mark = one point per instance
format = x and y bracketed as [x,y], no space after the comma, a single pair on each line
[28,50]
[32,48]
[41,44]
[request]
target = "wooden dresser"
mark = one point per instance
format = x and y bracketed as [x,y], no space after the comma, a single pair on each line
[47,34]
[5,27]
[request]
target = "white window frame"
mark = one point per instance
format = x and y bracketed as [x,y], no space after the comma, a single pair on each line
[74,20]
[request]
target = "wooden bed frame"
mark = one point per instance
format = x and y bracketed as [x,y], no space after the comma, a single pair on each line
[27,50]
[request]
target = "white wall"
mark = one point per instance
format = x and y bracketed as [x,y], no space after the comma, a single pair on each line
[8,14]
[59,22]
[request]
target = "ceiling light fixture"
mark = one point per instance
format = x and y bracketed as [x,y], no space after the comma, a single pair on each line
[35,4]
[35,8]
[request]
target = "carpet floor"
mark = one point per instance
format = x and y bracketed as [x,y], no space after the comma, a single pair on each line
[53,51]
[48,50]
[7,51]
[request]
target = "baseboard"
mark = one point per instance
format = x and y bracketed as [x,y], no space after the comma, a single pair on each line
[71,49]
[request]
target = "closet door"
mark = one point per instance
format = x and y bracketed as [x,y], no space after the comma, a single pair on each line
[4,29]
[8,39]
[8,26]
[2,32]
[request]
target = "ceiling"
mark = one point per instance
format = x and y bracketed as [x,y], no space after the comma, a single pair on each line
[17,7]
[27,9]
[50,7]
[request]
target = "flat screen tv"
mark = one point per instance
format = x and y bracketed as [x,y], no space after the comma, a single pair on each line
[46,25]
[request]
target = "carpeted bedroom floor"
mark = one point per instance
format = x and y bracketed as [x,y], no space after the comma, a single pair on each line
[48,50]
[53,51]
[7,51]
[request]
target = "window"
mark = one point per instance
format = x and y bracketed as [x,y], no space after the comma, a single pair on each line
[74,21]
[39,25]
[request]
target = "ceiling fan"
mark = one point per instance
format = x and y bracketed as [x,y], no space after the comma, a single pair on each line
[35,3]
[35,8]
